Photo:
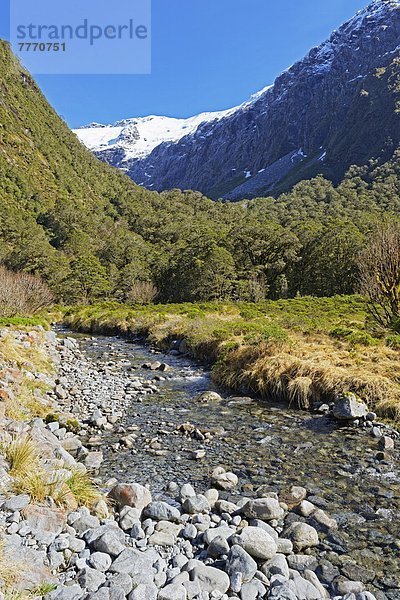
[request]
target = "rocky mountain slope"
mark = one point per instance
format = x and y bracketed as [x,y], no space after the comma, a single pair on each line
[334,108]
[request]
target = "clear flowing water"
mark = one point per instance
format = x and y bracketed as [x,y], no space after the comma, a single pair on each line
[264,444]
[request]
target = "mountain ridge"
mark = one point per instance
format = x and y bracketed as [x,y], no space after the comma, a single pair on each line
[151,131]
[249,152]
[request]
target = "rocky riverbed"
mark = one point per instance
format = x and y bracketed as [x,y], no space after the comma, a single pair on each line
[213,496]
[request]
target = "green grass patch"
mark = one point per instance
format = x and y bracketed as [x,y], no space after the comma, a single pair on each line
[24,322]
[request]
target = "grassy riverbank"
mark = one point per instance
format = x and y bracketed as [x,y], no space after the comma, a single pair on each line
[294,350]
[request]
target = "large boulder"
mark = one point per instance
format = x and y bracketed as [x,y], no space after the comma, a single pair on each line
[44,522]
[349,407]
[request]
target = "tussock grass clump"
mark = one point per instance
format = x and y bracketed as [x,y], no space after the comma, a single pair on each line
[30,356]
[27,402]
[34,484]
[22,456]
[12,573]
[83,489]
[24,359]
[30,476]
[300,391]
[316,370]
[26,468]
[76,490]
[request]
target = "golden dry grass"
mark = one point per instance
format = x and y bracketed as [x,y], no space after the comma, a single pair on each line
[83,489]
[22,359]
[30,476]
[22,456]
[11,575]
[318,368]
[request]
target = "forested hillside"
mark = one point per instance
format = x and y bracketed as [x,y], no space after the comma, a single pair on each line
[92,233]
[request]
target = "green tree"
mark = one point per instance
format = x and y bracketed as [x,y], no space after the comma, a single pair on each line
[87,280]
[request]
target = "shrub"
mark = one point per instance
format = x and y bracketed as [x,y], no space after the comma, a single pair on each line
[251,312]
[379,266]
[393,341]
[353,337]
[142,292]
[22,294]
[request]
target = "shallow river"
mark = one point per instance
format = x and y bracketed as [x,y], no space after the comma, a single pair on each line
[264,444]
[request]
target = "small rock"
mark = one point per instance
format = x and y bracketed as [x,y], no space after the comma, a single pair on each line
[210,579]
[17,503]
[131,494]
[196,504]
[302,536]
[128,517]
[267,509]
[174,591]
[239,561]
[386,443]
[161,511]
[207,397]
[348,407]
[293,496]
[144,592]
[258,543]
[90,579]
[100,561]
[224,480]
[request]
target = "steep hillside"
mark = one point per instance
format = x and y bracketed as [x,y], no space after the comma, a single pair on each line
[57,200]
[334,108]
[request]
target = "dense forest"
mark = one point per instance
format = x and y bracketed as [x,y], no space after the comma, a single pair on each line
[92,233]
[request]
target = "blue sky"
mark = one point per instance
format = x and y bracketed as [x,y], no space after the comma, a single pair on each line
[207,55]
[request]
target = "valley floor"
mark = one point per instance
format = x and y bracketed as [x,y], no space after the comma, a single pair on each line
[308,511]
[303,351]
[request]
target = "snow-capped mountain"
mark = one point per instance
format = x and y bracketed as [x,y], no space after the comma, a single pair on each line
[336,107]
[137,137]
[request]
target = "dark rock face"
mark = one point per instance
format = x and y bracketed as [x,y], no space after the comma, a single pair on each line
[328,111]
